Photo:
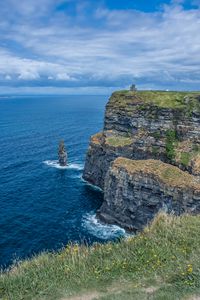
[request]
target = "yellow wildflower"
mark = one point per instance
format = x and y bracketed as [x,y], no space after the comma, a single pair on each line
[189,268]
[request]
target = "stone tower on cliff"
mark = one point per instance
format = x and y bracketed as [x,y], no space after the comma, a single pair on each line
[133,88]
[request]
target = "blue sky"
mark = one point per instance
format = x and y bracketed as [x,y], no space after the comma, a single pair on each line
[95,47]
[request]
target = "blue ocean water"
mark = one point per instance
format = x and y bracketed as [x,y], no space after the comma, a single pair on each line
[42,206]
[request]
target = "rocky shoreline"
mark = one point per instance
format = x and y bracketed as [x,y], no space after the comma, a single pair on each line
[142,127]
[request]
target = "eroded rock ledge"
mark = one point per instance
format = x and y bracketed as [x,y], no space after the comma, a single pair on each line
[136,190]
[157,137]
[145,125]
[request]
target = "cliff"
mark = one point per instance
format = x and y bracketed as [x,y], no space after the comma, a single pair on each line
[143,125]
[135,191]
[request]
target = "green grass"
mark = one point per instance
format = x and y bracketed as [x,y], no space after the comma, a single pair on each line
[119,141]
[185,158]
[171,140]
[112,140]
[155,151]
[186,101]
[196,148]
[163,262]
[186,152]
[170,175]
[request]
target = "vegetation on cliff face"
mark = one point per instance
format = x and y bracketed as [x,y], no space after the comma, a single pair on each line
[186,101]
[96,138]
[162,262]
[169,174]
[186,152]
[171,140]
[119,141]
[112,140]
[147,124]
[176,152]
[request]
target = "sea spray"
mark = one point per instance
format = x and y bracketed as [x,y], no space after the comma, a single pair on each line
[101,231]
[55,164]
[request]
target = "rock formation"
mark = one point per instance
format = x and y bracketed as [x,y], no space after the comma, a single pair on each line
[136,190]
[143,125]
[62,154]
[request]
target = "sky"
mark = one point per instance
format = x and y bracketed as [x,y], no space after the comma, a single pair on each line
[97,46]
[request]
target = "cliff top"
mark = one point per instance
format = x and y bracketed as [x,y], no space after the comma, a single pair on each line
[163,99]
[169,174]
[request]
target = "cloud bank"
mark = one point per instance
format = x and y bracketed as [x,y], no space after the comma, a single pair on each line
[86,46]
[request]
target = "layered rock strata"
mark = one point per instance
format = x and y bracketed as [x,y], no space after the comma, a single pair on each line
[147,158]
[145,125]
[135,191]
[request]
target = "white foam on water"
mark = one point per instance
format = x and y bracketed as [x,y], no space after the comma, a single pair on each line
[75,166]
[55,164]
[94,187]
[101,231]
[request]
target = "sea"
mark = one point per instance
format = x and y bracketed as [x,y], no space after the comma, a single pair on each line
[43,206]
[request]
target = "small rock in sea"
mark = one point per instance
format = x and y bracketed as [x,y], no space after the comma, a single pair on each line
[62,154]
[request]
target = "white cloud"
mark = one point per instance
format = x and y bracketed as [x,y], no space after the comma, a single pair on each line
[156,47]
[63,76]
[8,77]
[28,75]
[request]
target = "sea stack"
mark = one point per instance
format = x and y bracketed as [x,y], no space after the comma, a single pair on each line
[62,154]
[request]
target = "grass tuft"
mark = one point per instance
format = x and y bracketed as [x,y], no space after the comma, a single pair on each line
[162,261]
[119,141]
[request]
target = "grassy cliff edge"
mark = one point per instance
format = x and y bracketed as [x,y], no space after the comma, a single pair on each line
[162,262]
[186,101]
[169,174]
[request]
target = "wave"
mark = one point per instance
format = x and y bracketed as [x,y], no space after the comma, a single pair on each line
[55,164]
[101,231]
[92,186]
[79,176]
[75,166]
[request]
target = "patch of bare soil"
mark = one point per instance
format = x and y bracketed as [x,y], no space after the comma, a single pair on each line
[89,296]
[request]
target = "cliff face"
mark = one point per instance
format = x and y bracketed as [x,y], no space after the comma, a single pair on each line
[135,191]
[161,126]
[144,125]
[102,151]
[154,113]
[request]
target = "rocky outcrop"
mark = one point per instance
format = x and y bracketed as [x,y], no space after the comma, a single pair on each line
[135,191]
[154,113]
[102,151]
[142,159]
[62,154]
[145,125]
